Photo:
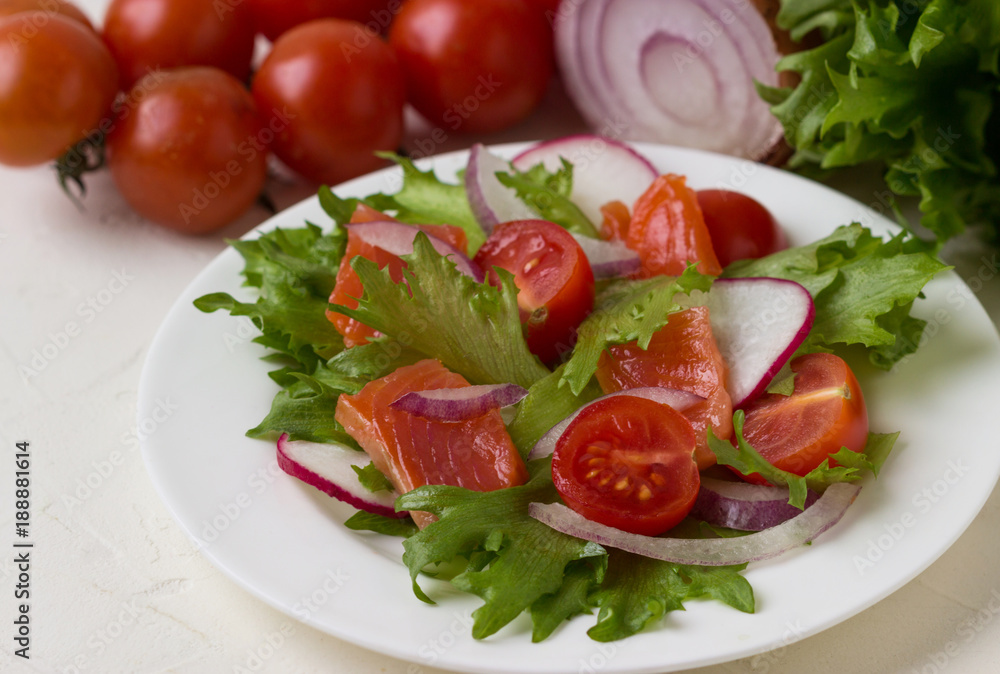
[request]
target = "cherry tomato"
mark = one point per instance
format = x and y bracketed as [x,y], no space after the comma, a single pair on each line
[47,7]
[57,83]
[476,66]
[824,413]
[553,277]
[668,230]
[348,287]
[681,355]
[272,18]
[145,35]
[343,92]
[188,150]
[626,462]
[740,226]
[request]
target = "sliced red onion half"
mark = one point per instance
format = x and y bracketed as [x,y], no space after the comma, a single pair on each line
[744,506]
[758,323]
[397,238]
[679,400]
[491,201]
[328,468]
[459,404]
[603,170]
[608,259]
[756,547]
[671,71]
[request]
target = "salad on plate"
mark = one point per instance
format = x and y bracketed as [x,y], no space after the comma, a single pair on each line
[573,384]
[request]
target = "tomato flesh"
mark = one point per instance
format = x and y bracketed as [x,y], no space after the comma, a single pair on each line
[682,355]
[825,412]
[627,462]
[740,227]
[553,277]
[668,230]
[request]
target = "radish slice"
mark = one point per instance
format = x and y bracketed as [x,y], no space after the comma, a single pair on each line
[459,404]
[801,529]
[758,323]
[603,170]
[744,506]
[491,201]
[328,468]
[679,71]
[608,259]
[397,238]
[679,400]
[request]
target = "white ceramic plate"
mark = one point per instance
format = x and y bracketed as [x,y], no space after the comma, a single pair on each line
[203,385]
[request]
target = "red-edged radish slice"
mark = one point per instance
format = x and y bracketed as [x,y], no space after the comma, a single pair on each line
[756,547]
[758,323]
[603,170]
[608,259]
[328,468]
[397,238]
[744,506]
[491,201]
[679,400]
[459,404]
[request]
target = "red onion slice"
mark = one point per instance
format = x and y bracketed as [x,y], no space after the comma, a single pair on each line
[679,400]
[491,201]
[603,170]
[744,506]
[459,404]
[673,71]
[397,238]
[608,259]
[328,468]
[823,514]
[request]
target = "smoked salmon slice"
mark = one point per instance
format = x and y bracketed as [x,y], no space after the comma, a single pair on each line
[411,451]
[682,355]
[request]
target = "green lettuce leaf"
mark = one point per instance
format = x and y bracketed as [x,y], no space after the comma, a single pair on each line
[372,479]
[547,194]
[626,311]
[548,402]
[473,328]
[380,524]
[853,465]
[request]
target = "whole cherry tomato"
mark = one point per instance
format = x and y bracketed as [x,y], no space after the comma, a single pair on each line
[47,7]
[145,35]
[273,18]
[473,66]
[57,83]
[188,150]
[343,93]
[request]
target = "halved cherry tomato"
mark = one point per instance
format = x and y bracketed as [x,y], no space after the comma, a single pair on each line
[740,226]
[824,413]
[668,230]
[614,226]
[348,287]
[682,355]
[627,462]
[554,280]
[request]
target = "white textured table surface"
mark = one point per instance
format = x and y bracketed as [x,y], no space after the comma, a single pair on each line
[117,587]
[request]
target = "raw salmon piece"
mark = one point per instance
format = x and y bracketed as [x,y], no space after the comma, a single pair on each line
[411,451]
[668,230]
[682,355]
[348,287]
